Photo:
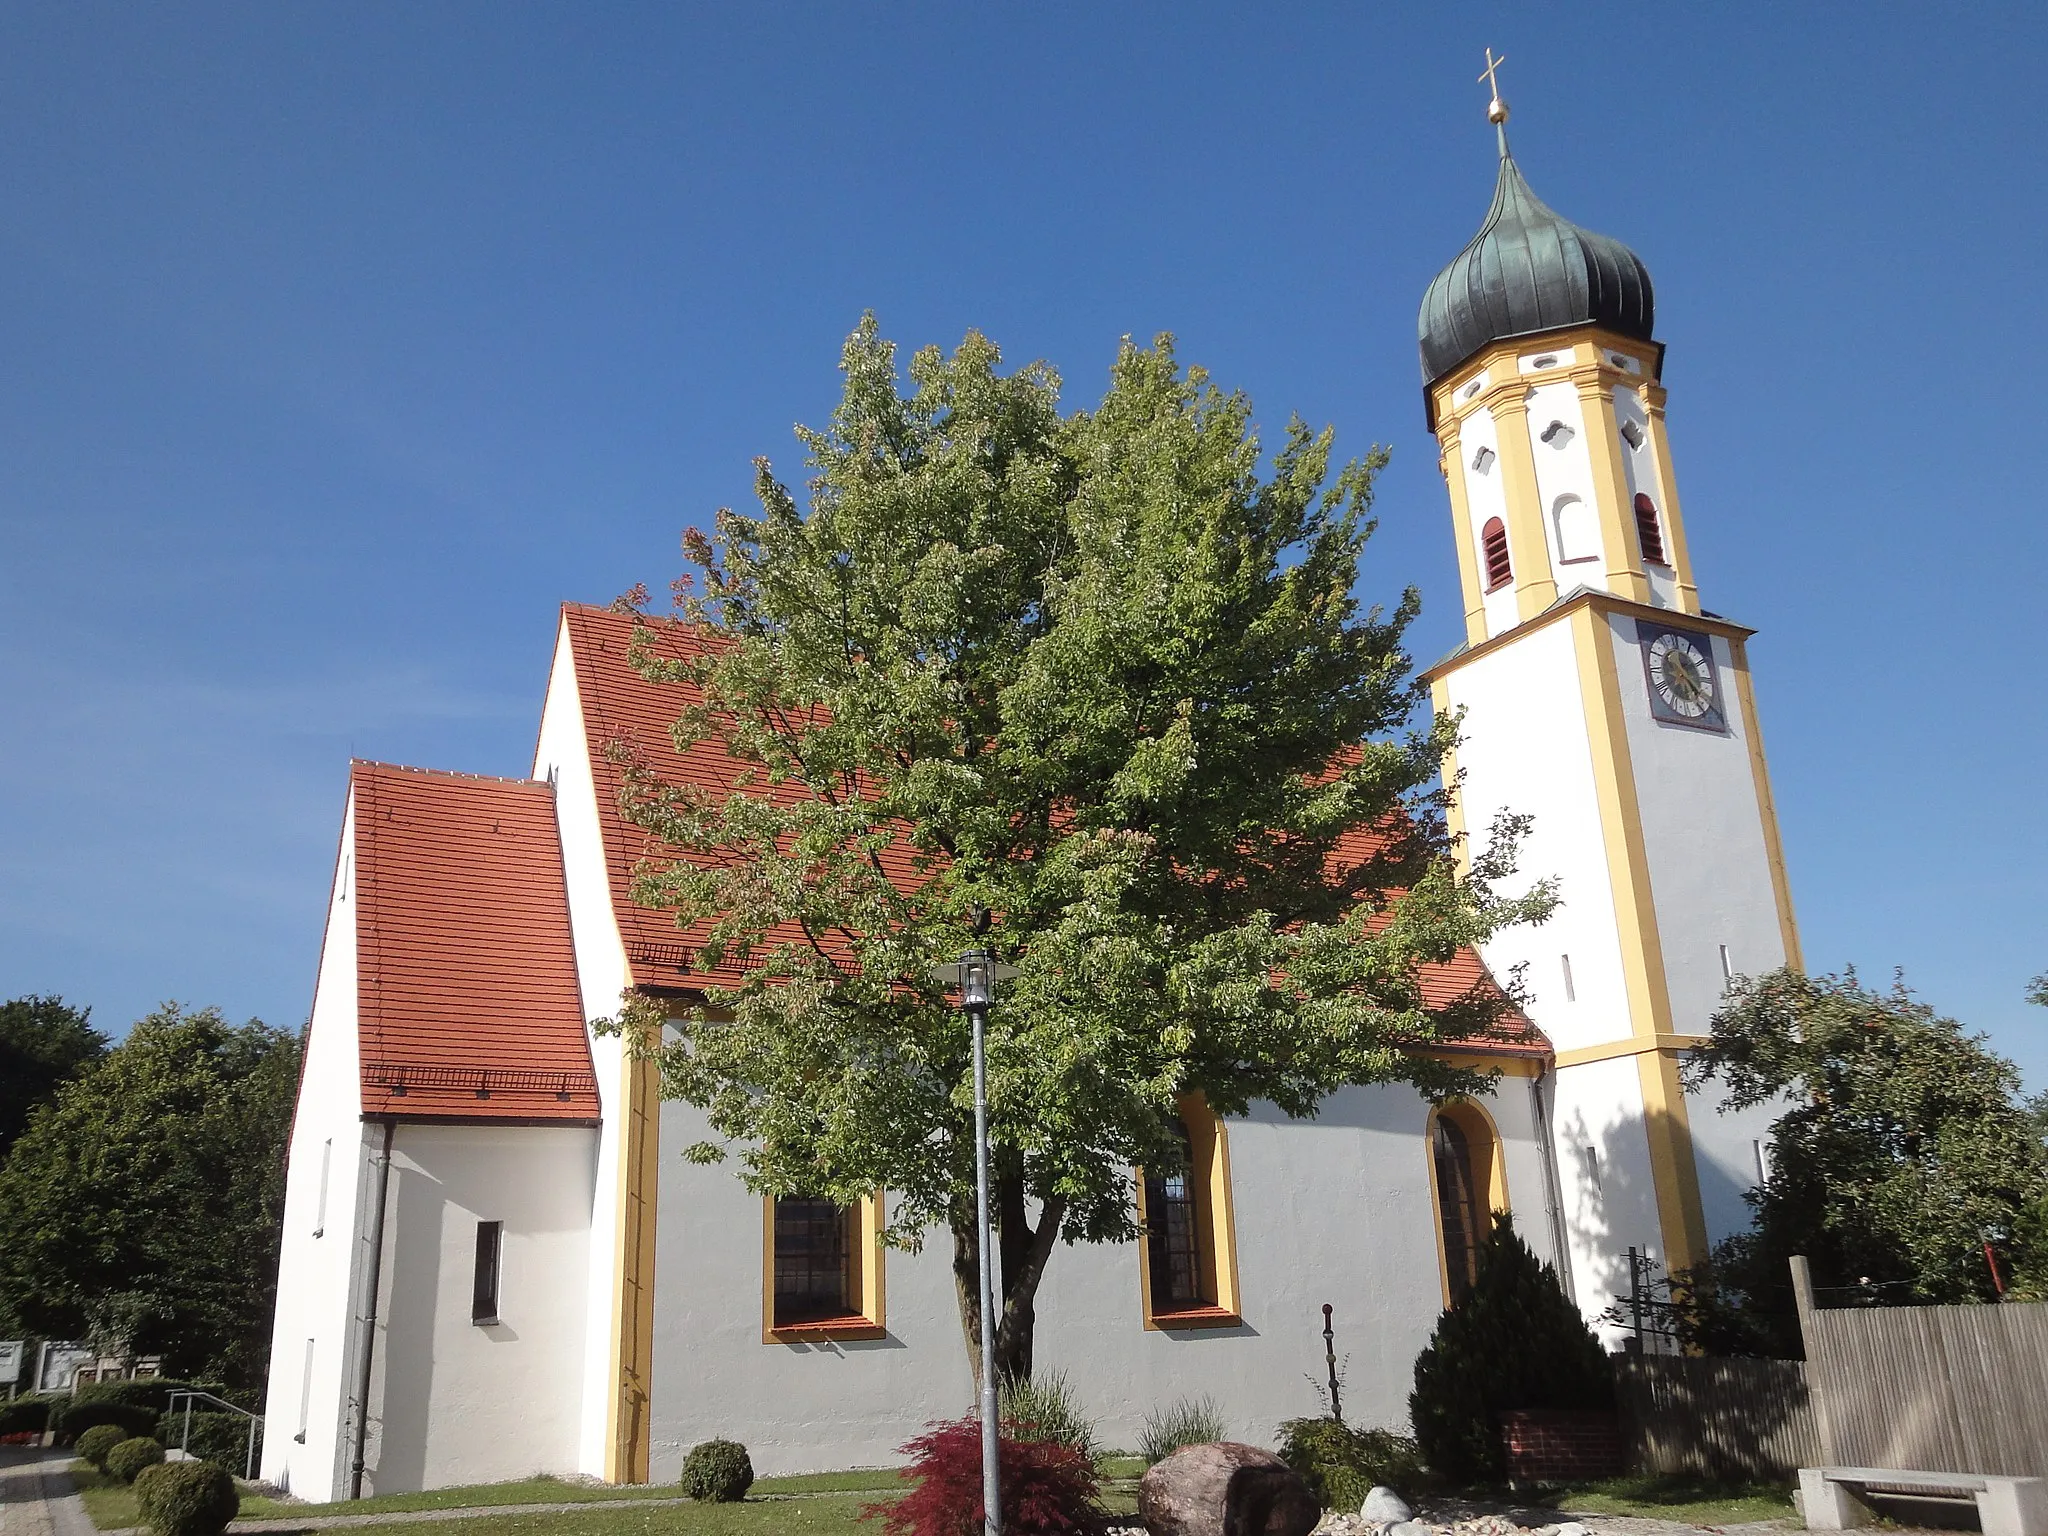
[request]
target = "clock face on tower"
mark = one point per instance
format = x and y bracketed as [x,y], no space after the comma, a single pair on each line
[1685,685]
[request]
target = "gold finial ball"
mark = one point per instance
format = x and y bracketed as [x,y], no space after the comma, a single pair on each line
[1496,111]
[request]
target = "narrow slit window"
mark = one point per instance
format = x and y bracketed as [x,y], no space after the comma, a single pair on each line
[1571,993]
[1763,1164]
[817,1276]
[490,1257]
[1590,1157]
[305,1394]
[1493,545]
[326,1167]
[1727,965]
[1649,532]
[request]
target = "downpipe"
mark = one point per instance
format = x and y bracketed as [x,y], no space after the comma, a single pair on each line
[366,1348]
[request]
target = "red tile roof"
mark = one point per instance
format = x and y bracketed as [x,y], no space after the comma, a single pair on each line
[621,705]
[467,994]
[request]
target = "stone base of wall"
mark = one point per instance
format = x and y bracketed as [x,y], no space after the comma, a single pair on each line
[1561,1445]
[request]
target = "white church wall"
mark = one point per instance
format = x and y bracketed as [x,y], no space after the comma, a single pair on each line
[1485,500]
[1703,838]
[1527,751]
[1603,1163]
[562,753]
[454,1401]
[1337,1209]
[1732,1153]
[308,1394]
[1564,482]
[1639,465]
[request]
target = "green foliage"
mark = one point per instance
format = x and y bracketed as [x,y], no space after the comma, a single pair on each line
[44,1042]
[1343,1464]
[717,1472]
[129,1457]
[1101,675]
[141,1208]
[94,1444]
[26,1415]
[151,1392]
[215,1437]
[187,1498]
[1044,1406]
[1185,1421]
[72,1419]
[1514,1340]
[1904,1146]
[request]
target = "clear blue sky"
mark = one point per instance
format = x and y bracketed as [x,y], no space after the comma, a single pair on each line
[339,343]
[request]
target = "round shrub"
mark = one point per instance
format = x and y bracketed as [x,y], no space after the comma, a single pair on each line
[187,1498]
[131,1456]
[718,1472]
[74,1418]
[94,1444]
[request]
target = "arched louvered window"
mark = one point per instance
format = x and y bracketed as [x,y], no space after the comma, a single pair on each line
[1649,532]
[1493,550]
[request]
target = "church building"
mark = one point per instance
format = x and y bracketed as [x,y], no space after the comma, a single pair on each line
[496,1261]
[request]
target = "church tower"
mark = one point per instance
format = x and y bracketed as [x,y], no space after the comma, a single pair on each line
[1602,701]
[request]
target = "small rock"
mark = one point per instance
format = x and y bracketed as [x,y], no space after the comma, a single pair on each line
[1573,1528]
[1383,1506]
[1409,1528]
[1227,1489]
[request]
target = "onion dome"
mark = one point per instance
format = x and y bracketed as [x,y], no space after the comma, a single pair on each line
[1528,270]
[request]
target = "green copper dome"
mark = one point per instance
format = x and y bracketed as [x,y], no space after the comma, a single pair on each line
[1529,269]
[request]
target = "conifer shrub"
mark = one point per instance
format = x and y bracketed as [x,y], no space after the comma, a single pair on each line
[187,1498]
[1343,1464]
[1186,1421]
[1514,1340]
[131,1456]
[718,1472]
[1044,1407]
[94,1444]
[1048,1487]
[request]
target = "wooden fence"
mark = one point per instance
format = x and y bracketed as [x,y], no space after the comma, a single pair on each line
[1941,1389]
[1726,1419]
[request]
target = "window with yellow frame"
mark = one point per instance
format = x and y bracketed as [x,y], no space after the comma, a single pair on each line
[821,1270]
[1187,1255]
[1468,1182]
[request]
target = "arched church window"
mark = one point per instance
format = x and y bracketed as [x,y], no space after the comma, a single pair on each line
[1189,1264]
[1464,1162]
[1578,538]
[824,1270]
[1493,548]
[1649,532]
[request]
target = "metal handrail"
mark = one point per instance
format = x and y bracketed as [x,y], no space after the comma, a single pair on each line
[185,1445]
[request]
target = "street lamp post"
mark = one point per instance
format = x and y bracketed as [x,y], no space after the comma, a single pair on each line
[975,979]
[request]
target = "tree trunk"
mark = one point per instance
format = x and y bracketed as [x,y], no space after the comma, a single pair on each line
[1024,1251]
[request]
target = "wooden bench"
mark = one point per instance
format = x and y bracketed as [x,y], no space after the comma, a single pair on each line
[2007,1506]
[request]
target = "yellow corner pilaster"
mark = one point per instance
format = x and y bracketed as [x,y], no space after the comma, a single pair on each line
[1528,545]
[627,1430]
[1623,557]
[1454,813]
[1667,485]
[1766,804]
[1469,578]
[1674,1175]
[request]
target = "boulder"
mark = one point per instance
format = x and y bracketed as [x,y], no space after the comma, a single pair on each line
[1226,1489]
[1573,1528]
[1383,1506]
[1410,1528]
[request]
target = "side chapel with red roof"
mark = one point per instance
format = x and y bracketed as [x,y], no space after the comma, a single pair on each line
[495,1262]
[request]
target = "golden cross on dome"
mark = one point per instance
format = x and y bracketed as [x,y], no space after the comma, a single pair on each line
[1496,110]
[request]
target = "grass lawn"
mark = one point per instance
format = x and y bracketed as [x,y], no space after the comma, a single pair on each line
[816,1516]
[1676,1498]
[111,1502]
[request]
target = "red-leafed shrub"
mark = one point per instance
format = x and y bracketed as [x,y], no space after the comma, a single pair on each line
[1048,1488]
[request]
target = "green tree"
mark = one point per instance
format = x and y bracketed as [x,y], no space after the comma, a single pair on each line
[1513,1340]
[143,1205]
[1099,676]
[43,1042]
[1904,1147]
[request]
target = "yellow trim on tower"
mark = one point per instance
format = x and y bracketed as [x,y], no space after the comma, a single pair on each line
[1623,554]
[1528,544]
[1451,462]
[632,1350]
[1766,803]
[1675,546]
[1630,1045]
[1454,813]
[1673,1173]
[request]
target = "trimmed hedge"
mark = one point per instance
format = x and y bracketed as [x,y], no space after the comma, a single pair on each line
[187,1498]
[28,1415]
[73,1419]
[221,1438]
[94,1444]
[718,1472]
[131,1456]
